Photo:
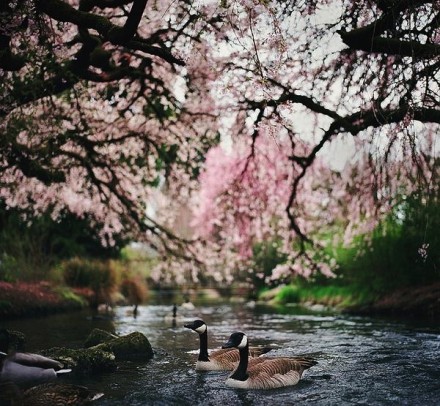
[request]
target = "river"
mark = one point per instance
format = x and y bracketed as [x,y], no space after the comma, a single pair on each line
[362,361]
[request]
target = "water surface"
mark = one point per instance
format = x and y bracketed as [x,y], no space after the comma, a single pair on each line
[362,361]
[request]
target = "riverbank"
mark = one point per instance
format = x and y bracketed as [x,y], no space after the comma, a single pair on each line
[423,301]
[27,299]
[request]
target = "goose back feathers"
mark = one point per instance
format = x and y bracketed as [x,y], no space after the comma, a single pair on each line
[266,372]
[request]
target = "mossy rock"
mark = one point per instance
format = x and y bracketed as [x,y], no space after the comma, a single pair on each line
[134,346]
[84,361]
[98,336]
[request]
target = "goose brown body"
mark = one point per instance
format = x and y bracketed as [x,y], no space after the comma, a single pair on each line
[264,372]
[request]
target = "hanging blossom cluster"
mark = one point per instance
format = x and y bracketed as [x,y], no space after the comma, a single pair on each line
[423,251]
[248,203]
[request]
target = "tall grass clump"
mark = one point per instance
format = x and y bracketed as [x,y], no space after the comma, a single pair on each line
[100,276]
[288,294]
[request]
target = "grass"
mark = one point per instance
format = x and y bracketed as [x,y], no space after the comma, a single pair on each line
[67,294]
[330,295]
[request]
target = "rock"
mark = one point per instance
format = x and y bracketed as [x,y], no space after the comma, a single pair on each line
[83,361]
[98,336]
[134,346]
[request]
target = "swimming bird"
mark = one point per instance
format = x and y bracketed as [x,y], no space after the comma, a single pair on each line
[221,359]
[264,372]
[23,368]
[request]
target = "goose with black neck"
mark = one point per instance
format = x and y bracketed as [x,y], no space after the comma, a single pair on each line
[264,372]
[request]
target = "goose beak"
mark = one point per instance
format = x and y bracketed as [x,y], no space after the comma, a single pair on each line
[190,325]
[229,344]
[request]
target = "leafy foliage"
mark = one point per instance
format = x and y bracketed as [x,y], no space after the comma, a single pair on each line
[102,277]
[29,249]
[392,257]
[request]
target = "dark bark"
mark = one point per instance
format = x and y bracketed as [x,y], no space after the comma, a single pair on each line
[382,35]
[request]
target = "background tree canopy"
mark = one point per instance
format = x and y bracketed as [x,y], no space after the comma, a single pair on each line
[289,122]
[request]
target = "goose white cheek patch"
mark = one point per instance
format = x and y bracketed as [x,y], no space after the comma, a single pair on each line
[201,329]
[243,342]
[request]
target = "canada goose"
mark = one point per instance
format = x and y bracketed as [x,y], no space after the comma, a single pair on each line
[221,359]
[23,368]
[264,372]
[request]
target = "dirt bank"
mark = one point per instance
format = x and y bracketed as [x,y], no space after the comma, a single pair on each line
[423,301]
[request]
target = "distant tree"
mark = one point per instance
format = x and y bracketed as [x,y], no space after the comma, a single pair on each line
[102,101]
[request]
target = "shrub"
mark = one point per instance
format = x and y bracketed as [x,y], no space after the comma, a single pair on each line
[288,294]
[134,290]
[391,257]
[100,276]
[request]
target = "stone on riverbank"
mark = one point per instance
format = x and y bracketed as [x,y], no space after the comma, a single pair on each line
[83,361]
[98,336]
[134,346]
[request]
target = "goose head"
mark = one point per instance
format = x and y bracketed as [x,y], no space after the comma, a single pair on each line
[236,340]
[199,326]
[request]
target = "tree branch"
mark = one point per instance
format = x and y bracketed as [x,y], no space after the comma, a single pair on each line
[370,39]
[389,46]
[122,35]
[61,11]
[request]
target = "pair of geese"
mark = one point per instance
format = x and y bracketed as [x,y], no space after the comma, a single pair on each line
[250,370]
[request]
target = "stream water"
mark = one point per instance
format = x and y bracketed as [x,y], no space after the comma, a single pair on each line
[362,361]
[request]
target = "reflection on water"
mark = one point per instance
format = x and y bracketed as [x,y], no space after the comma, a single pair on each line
[361,360]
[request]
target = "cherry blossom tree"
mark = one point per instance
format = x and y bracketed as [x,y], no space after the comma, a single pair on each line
[102,102]
[99,106]
[362,76]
